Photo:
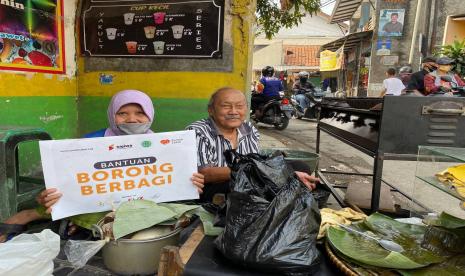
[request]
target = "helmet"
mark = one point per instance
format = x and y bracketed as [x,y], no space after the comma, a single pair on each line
[268,71]
[304,74]
[405,69]
[444,61]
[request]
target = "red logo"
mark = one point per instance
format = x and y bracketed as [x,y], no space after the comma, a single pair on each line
[165,142]
[111,147]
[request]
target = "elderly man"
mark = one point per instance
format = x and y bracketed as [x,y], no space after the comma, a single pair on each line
[226,129]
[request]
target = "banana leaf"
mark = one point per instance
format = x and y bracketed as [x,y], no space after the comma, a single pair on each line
[368,251]
[448,221]
[136,215]
[179,209]
[452,267]
[207,220]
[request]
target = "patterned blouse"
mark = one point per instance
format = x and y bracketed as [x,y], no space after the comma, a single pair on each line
[211,144]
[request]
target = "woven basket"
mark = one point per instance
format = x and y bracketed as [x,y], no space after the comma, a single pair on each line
[340,264]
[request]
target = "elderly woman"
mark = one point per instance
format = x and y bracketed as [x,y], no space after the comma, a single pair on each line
[130,112]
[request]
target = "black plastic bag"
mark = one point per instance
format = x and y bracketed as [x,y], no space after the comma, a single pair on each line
[272,219]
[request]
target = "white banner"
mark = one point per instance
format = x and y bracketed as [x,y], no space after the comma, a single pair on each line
[97,174]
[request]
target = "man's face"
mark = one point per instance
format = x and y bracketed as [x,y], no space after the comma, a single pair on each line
[394,18]
[229,109]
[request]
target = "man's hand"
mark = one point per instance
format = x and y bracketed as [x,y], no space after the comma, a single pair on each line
[308,180]
[48,198]
[199,181]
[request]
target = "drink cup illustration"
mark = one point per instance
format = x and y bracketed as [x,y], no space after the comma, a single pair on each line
[128,18]
[177,31]
[111,33]
[132,46]
[159,47]
[159,17]
[149,32]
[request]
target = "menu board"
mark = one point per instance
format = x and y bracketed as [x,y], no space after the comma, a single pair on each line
[187,29]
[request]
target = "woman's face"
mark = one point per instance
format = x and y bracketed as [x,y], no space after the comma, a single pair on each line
[131,113]
[445,68]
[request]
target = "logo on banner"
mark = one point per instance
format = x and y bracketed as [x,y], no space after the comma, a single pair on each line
[112,147]
[146,144]
[165,142]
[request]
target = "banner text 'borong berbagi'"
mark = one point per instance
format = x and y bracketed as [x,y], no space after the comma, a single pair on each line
[98,174]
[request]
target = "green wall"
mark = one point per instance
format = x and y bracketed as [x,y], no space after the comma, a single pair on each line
[170,114]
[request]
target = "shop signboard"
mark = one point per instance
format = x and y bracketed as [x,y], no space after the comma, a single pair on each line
[172,29]
[331,61]
[32,36]
[96,175]
[389,60]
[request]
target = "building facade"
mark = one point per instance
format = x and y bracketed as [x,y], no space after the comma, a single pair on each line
[296,49]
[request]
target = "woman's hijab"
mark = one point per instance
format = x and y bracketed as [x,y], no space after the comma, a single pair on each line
[123,98]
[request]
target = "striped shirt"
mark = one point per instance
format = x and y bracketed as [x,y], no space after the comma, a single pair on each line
[211,144]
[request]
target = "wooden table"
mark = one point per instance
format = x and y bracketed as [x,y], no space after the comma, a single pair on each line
[173,259]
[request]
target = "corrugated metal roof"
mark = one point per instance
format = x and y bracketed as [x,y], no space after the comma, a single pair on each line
[349,41]
[344,10]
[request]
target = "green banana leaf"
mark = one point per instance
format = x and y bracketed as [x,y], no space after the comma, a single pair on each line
[448,221]
[207,219]
[368,251]
[136,215]
[452,267]
[179,209]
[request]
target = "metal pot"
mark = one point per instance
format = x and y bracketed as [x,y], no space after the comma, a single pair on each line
[141,257]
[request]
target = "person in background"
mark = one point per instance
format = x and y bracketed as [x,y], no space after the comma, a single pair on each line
[392,85]
[130,112]
[417,79]
[405,73]
[271,88]
[435,81]
[226,129]
[325,85]
[302,86]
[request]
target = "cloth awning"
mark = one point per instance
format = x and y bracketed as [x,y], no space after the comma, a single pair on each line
[349,41]
[344,10]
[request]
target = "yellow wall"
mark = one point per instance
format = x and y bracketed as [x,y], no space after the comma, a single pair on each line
[455,30]
[184,85]
[158,84]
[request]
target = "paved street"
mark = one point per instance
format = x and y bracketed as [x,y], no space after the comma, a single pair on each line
[337,156]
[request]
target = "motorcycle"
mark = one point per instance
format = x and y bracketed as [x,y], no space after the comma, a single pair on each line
[454,90]
[276,112]
[313,110]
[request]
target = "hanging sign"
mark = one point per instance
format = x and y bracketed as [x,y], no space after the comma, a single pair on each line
[182,29]
[331,61]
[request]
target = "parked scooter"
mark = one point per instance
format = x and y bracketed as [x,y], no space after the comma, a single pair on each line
[276,112]
[313,110]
